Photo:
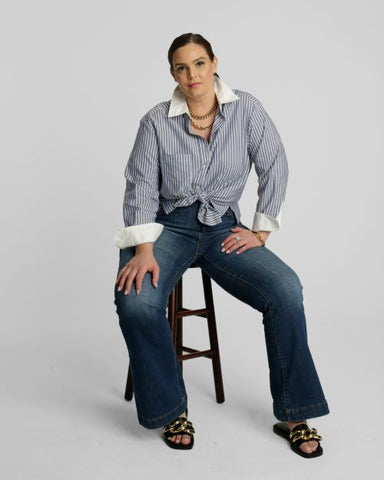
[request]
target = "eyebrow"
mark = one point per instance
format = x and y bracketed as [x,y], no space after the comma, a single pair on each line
[176,64]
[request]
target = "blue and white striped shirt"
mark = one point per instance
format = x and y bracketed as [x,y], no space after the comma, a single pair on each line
[170,166]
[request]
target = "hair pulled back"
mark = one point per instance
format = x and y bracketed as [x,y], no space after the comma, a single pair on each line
[190,38]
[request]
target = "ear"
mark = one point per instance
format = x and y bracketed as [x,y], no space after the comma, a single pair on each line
[215,62]
[173,75]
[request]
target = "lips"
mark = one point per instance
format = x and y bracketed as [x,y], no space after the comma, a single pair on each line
[196,84]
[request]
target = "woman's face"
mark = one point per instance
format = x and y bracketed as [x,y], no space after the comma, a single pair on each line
[193,70]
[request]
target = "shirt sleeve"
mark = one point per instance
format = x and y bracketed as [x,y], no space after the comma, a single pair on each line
[141,197]
[267,153]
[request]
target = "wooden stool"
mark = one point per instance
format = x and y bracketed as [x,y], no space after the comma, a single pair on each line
[176,312]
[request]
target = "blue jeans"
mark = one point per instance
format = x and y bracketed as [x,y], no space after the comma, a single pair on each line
[257,277]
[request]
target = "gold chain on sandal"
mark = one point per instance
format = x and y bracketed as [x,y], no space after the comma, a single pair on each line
[180,425]
[305,434]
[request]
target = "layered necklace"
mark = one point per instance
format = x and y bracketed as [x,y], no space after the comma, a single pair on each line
[203,117]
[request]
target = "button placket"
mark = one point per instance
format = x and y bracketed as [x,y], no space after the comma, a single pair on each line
[199,180]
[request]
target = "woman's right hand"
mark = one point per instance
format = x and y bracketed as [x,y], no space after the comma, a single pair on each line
[143,262]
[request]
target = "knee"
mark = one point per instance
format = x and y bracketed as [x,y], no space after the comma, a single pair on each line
[136,311]
[289,291]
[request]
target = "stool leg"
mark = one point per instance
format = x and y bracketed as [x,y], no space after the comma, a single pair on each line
[179,322]
[216,365]
[129,386]
[172,309]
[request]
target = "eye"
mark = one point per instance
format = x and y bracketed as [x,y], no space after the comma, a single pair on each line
[201,62]
[180,68]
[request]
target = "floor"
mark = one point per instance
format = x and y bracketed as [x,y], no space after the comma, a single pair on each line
[66,417]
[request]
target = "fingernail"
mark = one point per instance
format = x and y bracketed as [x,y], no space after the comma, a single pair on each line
[222,244]
[138,292]
[223,249]
[237,253]
[125,293]
[228,251]
[119,289]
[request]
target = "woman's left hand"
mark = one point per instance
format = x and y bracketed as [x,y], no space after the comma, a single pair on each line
[247,240]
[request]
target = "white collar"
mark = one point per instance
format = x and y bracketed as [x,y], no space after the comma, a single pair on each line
[179,106]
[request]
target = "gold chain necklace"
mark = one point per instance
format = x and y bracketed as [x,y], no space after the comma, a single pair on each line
[201,128]
[203,117]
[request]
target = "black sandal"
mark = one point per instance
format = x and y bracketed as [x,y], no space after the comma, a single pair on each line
[299,434]
[179,426]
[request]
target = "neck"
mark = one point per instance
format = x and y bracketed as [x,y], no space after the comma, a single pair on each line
[201,105]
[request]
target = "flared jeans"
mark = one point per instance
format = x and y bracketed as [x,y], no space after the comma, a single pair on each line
[257,277]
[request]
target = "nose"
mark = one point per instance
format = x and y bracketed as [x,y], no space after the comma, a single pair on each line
[192,73]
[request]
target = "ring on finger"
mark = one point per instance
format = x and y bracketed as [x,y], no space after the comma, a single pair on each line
[237,238]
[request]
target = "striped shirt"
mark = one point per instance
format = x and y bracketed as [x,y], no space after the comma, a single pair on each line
[170,166]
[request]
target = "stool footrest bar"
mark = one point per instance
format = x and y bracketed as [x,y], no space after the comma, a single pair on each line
[202,312]
[195,354]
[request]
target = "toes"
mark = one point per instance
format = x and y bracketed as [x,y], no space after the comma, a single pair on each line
[309,447]
[184,439]
[306,448]
[313,444]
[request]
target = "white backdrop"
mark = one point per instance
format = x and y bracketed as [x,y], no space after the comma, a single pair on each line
[76,77]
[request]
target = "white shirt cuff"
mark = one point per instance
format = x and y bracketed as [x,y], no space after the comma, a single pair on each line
[265,222]
[136,234]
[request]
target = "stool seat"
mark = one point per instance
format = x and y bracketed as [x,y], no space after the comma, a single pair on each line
[176,313]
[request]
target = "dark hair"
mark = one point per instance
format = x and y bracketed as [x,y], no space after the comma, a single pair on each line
[190,38]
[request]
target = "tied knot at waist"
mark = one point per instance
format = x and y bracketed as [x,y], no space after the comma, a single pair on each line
[208,213]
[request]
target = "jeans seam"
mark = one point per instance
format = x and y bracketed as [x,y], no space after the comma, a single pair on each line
[173,282]
[282,366]
[196,254]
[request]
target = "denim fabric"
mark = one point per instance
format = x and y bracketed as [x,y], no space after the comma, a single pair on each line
[257,277]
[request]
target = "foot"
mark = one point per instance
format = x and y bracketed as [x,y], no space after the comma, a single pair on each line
[306,447]
[184,439]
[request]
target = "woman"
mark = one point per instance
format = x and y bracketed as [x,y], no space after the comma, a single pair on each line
[187,170]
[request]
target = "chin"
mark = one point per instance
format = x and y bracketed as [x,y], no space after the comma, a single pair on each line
[196,92]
